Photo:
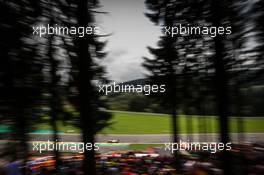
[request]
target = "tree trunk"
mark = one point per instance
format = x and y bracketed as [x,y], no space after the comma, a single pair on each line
[175,137]
[21,134]
[189,126]
[202,119]
[221,86]
[54,101]
[240,122]
[85,89]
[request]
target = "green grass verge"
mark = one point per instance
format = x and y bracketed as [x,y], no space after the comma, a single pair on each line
[148,123]
[140,147]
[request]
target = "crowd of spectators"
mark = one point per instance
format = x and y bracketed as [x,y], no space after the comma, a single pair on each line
[248,160]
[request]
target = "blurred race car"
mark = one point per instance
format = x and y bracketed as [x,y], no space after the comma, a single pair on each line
[113,141]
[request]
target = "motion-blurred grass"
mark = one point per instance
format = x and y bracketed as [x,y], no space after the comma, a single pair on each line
[149,123]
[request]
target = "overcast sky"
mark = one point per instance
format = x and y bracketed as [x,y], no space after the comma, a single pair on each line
[131,32]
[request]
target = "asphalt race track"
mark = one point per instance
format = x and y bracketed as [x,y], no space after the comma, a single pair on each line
[145,139]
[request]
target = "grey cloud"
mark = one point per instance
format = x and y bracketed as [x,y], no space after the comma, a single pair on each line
[132,33]
[123,68]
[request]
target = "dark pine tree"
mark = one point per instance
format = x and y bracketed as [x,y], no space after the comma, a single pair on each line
[84,53]
[164,67]
[21,71]
[177,59]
